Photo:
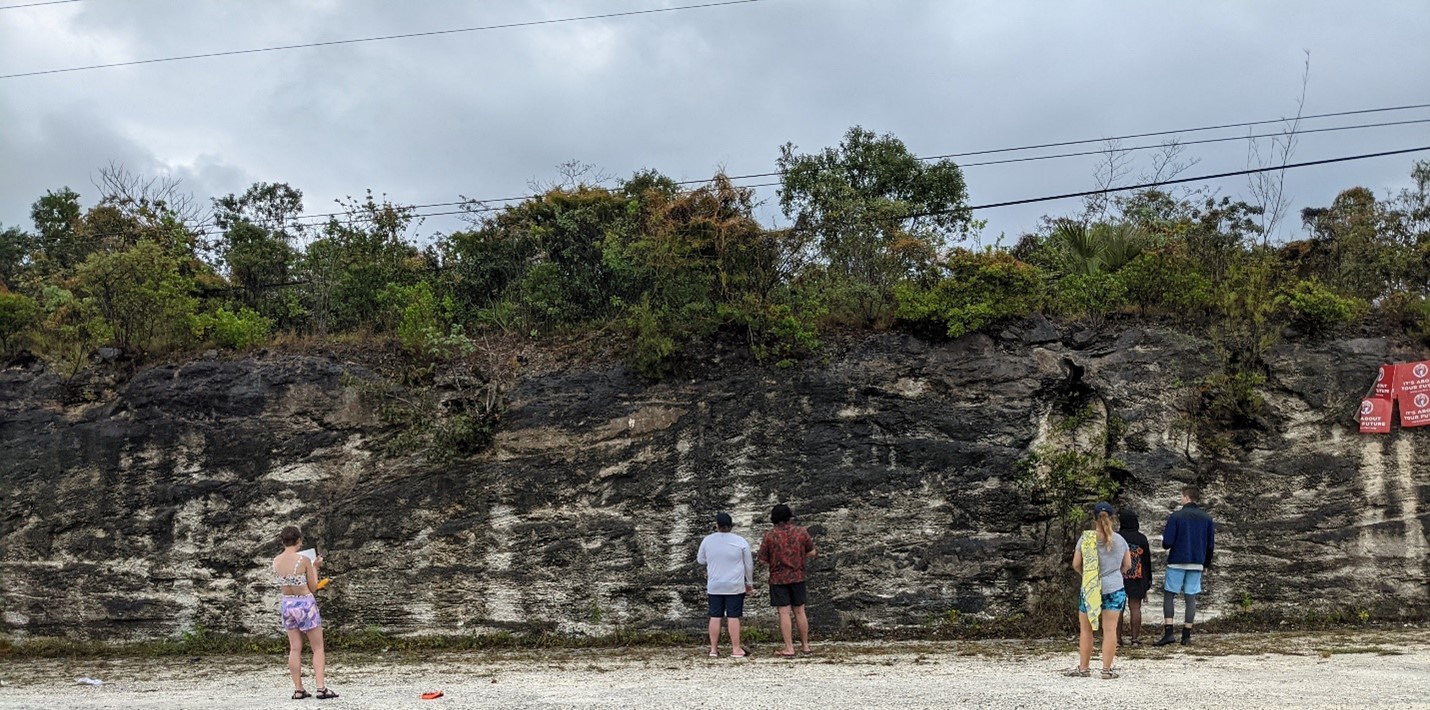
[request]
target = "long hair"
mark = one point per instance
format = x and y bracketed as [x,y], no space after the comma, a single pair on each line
[1102,524]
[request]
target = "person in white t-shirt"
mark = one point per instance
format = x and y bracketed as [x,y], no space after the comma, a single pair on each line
[730,575]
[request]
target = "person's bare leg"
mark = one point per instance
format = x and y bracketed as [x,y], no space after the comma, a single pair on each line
[735,648]
[320,659]
[714,634]
[1134,619]
[802,622]
[1084,642]
[1110,619]
[785,630]
[295,657]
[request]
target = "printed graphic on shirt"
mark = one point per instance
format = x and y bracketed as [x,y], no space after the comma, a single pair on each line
[1138,569]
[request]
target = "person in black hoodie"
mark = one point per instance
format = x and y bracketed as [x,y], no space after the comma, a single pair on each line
[1190,537]
[1138,578]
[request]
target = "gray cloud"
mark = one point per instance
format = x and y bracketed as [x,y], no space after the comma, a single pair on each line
[481,114]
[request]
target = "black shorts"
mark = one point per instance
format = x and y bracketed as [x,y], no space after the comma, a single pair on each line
[730,606]
[788,594]
[1136,588]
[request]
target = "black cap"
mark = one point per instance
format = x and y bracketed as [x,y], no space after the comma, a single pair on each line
[1104,508]
[723,520]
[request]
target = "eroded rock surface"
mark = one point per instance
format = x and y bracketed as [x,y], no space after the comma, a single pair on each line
[154,513]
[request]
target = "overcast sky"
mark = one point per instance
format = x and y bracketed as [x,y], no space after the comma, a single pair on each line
[483,114]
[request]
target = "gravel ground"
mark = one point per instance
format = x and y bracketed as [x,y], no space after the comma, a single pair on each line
[1223,672]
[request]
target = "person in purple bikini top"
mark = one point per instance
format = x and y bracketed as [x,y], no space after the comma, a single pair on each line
[299,610]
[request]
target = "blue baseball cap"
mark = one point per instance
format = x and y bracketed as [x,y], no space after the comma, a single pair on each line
[1104,508]
[723,520]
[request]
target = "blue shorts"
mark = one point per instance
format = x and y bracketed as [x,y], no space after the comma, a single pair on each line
[729,605]
[1183,581]
[1116,601]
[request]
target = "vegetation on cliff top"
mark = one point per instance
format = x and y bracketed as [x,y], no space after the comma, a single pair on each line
[879,239]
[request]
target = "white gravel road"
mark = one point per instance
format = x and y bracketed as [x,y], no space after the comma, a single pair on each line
[1223,672]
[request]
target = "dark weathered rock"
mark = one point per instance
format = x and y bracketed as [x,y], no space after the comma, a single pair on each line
[1039,331]
[155,511]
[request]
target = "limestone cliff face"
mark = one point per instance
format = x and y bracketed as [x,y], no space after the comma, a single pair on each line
[155,512]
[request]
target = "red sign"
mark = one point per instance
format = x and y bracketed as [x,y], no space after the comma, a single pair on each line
[1412,378]
[1385,382]
[1375,415]
[1414,409]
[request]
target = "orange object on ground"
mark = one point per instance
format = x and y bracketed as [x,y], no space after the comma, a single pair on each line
[432,695]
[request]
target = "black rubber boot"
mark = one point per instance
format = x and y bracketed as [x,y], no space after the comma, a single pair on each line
[1167,637]
[1186,636]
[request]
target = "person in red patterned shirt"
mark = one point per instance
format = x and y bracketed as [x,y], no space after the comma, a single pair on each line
[785,550]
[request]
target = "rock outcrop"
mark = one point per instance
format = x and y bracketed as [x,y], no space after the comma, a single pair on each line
[155,511]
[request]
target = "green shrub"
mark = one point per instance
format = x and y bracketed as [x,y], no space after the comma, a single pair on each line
[1067,480]
[416,309]
[17,312]
[235,331]
[977,290]
[778,332]
[1090,297]
[1230,399]
[1166,281]
[1316,309]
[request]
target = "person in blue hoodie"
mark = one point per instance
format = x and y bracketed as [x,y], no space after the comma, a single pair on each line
[1190,537]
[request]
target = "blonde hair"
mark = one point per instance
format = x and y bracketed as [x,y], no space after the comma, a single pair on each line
[1102,524]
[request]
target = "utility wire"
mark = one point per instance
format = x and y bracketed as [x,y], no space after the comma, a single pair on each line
[408,35]
[1031,200]
[1178,181]
[1085,193]
[37,4]
[1130,136]
[321,217]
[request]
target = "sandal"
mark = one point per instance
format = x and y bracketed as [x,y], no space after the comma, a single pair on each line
[1109,674]
[1077,673]
[301,694]
[744,653]
[714,654]
[324,694]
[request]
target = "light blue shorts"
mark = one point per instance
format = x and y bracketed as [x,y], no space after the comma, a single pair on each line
[1183,581]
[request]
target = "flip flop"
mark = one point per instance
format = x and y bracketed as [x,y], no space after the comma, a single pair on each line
[714,654]
[432,695]
[782,654]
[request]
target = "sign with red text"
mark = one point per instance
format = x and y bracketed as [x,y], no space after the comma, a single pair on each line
[1412,378]
[1385,382]
[1375,415]
[1415,409]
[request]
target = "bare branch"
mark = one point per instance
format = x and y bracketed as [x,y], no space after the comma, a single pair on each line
[1268,189]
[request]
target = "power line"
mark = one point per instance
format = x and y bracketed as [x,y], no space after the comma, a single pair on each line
[320,217]
[37,4]
[1178,181]
[1195,142]
[408,35]
[1130,136]
[1046,198]
[1085,193]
